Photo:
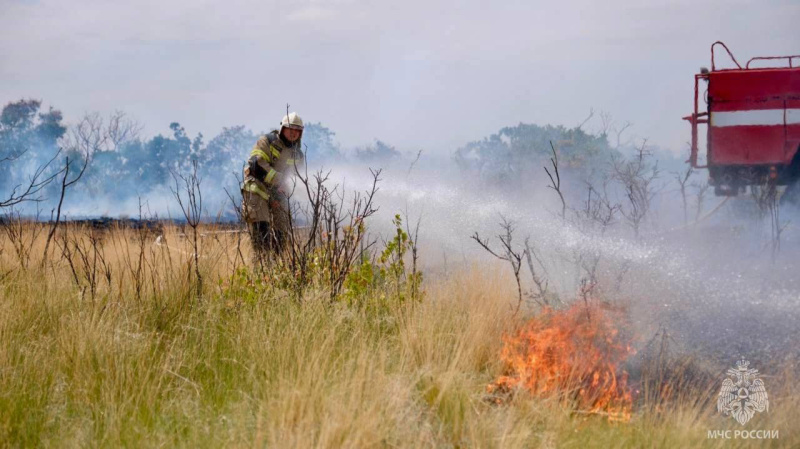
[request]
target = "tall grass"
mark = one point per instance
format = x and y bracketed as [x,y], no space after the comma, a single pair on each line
[136,358]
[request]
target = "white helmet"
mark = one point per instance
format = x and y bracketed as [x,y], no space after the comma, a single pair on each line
[292,121]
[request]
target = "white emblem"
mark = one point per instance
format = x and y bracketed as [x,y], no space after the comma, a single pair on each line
[742,394]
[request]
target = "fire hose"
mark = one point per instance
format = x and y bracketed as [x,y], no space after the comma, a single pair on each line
[160,240]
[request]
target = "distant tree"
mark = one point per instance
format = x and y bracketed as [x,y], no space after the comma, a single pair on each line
[197,145]
[28,143]
[24,129]
[227,152]
[109,174]
[19,115]
[161,153]
[319,142]
[378,152]
[184,144]
[50,129]
[517,152]
[150,162]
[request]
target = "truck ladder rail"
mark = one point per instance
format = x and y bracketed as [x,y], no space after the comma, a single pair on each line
[767,58]
[713,67]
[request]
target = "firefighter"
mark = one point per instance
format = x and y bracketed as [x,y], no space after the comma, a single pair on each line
[267,179]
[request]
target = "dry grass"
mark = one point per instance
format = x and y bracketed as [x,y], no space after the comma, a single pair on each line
[118,350]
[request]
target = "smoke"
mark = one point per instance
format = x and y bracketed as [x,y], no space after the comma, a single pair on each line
[716,286]
[709,273]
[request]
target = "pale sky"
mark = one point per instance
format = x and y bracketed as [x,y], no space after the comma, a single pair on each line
[427,75]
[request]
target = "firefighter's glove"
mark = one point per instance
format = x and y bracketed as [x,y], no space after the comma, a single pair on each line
[256,170]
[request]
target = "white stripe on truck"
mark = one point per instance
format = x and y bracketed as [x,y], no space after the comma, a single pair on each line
[763,117]
[793,116]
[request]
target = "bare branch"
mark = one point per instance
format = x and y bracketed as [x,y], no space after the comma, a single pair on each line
[683,179]
[413,163]
[36,182]
[83,144]
[591,114]
[514,258]
[637,176]
[121,129]
[337,231]
[555,182]
[190,200]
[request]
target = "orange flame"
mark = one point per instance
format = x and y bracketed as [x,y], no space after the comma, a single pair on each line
[574,354]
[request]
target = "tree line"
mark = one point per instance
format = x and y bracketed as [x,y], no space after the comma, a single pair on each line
[121,163]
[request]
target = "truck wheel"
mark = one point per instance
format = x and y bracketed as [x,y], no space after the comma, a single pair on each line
[792,193]
[791,196]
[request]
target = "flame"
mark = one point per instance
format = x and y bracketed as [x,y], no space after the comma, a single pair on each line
[574,354]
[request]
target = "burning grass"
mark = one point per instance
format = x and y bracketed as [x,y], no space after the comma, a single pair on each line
[575,354]
[129,355]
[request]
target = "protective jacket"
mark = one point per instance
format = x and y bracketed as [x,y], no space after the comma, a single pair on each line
[270,166]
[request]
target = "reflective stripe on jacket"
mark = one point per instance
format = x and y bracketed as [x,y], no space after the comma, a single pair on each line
[254,187]
[275,158]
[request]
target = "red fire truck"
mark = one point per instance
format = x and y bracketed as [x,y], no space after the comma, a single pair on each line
[753,119]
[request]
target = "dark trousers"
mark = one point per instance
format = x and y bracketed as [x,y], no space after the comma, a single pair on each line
[266,240]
